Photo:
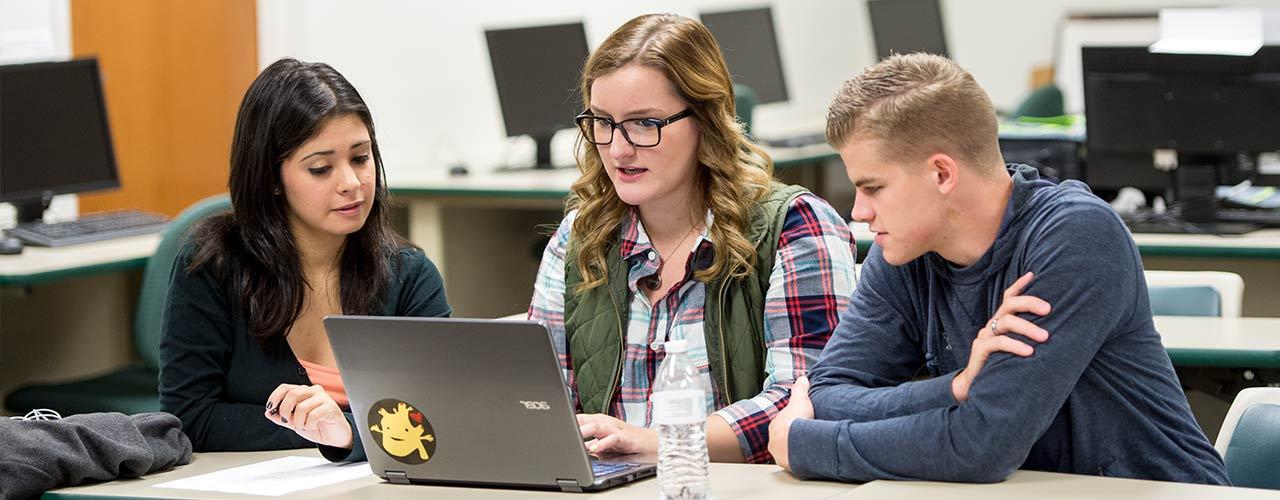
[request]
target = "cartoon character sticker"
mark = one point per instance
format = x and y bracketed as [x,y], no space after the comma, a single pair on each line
[402,431]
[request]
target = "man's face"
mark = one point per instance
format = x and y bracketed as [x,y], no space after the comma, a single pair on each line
[900,201]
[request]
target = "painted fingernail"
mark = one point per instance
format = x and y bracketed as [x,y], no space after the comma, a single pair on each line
[285,420]
[268,405]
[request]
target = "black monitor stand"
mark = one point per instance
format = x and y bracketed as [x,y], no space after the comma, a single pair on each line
[32,209]
[542,155]
[1195,211]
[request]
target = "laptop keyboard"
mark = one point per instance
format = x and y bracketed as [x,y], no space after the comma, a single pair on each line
[601,469]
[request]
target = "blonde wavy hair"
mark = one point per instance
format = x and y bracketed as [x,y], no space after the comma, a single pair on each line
[733,174]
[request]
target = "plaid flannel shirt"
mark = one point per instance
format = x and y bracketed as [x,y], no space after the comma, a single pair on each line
[810,285]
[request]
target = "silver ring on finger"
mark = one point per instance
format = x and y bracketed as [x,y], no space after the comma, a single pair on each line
[993,326]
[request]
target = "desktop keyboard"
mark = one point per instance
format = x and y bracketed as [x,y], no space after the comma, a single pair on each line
[1269,218]
[91,227]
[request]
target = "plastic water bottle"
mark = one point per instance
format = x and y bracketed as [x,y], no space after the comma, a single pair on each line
[680,416]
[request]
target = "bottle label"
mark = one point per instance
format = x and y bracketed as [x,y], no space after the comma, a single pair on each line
[679,407]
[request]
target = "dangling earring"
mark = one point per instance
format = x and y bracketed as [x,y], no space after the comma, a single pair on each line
[276,191]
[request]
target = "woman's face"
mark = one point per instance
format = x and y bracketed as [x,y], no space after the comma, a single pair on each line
[646,175]
[329,180]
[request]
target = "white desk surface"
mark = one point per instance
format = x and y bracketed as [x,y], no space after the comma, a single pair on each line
[37,264]
[1261,239]
[1052,486]
[728,481]
[1233,334]
[551,183]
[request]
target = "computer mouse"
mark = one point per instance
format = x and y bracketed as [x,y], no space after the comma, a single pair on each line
[10,245]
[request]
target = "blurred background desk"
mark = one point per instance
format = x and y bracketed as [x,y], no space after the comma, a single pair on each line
[1254,256]
[486,231]
[67,312]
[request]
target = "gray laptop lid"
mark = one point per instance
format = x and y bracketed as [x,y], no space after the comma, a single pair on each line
[459,400]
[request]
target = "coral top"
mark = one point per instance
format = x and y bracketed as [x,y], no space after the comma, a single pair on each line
[329,379]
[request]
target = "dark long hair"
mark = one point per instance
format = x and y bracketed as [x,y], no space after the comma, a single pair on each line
[251,248]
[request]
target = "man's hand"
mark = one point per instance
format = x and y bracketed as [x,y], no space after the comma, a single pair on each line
[610,436]
[991,337]
[310,412]
[798,407]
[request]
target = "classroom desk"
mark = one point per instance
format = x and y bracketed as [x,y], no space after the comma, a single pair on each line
[1052,486]
[728,481]
[1254,256]
[67,312]
[1262,244]
[37,265]
[1223,342]
[497,222]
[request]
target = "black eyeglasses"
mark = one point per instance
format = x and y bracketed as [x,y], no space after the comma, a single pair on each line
[640,132]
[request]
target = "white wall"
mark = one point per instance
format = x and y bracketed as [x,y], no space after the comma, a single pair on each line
[423,66]
[24,24]
[1001,41]
[426,74]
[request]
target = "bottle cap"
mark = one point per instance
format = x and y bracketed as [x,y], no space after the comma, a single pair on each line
[675,345]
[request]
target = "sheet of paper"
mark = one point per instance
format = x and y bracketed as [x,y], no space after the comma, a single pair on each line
[273,477]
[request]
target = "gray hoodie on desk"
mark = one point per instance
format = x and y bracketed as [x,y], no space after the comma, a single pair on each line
[1099,397]
[36,456]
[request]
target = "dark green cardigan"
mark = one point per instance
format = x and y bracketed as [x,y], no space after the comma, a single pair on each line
[216,377]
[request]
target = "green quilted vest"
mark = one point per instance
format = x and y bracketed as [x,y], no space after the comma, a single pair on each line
[595,321]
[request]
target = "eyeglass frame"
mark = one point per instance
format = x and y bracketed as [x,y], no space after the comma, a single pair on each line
[615,126]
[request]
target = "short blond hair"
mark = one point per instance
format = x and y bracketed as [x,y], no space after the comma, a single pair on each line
[918,104]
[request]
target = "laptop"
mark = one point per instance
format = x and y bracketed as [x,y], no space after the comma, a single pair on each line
[466,402]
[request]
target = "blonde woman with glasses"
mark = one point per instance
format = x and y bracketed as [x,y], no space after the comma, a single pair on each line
[676,230]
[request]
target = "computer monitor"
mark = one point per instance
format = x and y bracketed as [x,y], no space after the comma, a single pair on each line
[750,46]
[1179,123]
[54,135]
[537,71]
[906,26]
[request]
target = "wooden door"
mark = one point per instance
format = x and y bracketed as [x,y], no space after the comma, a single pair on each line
[174,73]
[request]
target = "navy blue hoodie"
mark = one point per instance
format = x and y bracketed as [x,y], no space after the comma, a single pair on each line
[1099,397]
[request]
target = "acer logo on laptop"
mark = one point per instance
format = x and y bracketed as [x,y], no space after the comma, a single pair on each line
[536,405]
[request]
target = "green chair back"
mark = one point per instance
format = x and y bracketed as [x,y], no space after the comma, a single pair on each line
[134,388]
[1044,101]
[745,99]
[1254,451]
[1185,301]
[148,320]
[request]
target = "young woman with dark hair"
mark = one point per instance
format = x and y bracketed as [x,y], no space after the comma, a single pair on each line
[245,361]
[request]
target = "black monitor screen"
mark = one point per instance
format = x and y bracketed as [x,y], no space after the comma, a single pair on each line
[54,136]
[537,71]
[1201,106]
[906,26]
[750,48]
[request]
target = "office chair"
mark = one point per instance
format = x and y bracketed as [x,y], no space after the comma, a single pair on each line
[134,388]
[745,99]
[1195,293]
[1043,102]
[1250,438]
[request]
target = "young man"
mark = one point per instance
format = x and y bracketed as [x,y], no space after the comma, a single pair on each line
[1024,299]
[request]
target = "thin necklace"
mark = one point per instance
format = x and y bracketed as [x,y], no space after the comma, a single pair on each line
[653,281]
